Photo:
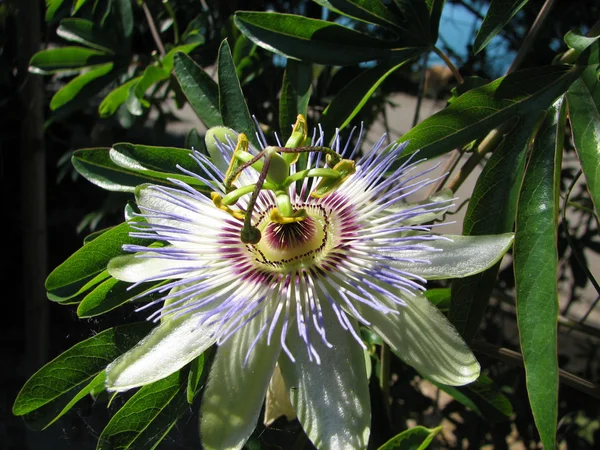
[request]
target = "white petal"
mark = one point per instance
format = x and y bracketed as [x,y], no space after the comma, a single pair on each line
[278,403]
[441,201]
[422,337]
[235,392]
[169,347]
[460,257]
[133,269]
[195,214]
[331,399]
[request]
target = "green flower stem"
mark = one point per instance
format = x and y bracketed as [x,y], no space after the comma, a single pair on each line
[250,234]
[284,204]
[312,173]
[450,65]
[234,196]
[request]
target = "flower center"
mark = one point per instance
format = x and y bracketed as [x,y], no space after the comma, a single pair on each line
[292,242]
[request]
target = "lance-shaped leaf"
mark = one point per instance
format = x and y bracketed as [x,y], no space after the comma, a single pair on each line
[199,88]
[117,170]
[491,211]
[232,102]
[86,32]
[481,109]
[416,438]
[583,99]
[82,86]
[161,70]
[536,272]
[312,40]
[110,295]
[66,59]
[295,94]
[116,98]
[370,11]
[148,416]
[351,99]
[55,388]
[498,15]
[90,260]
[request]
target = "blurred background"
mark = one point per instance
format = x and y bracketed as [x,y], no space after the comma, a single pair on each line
[47,208]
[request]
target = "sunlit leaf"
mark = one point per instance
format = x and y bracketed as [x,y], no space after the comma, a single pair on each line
[66,59]
[56,385]
[199,88]
[232,103]
[481,109]
[416,438]
[491,211]
[144,421]
[536,272]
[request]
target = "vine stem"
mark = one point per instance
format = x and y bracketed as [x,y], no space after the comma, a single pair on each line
[154,31]
[450,65]
[531,35]
[516,359]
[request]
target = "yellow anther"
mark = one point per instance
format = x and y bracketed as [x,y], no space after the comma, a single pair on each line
[277,217]
[297,139]
[218,202]
[326,186]
[242,146]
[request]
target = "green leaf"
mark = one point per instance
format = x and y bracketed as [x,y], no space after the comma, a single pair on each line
[52,6]
[63,59]
[87,33]
[498,15]
[91,259]
[194,377]
[435,8]
[199,88]
[578,41]
[160,71]
[116,98]
[124,13]
[82,86]
[481,109]
[491,211]
[482,397]
[194,141]
[536,272]
[78,4]
[583,100]
[231,98]
[73,294]
[351,99]
[313,40]
[110,295]
[440,297]
[295,94]
[416,24]
[144,421]
[369,11]
[77,367]
[126,166]
[416,438]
